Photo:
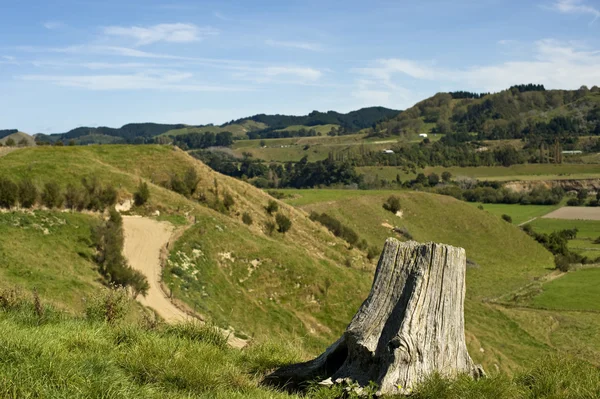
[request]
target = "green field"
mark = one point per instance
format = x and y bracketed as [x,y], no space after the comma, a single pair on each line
[523,172]
[323,129]
[589,230]
[577,290]
[518,213]
[238,130]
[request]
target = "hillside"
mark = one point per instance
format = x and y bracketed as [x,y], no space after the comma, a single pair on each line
[250,127]
[522,112]
[18,138]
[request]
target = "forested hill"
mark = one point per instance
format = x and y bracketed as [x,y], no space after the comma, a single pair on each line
[528,112]
[352,121]
[252,127]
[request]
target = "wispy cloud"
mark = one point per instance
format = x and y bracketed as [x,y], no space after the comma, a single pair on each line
[158,80]
[576,7]
[555,64]
[221,16]
[52,25]
[297,45]
[170,33]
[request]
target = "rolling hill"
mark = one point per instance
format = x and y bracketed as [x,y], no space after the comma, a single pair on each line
[18,137]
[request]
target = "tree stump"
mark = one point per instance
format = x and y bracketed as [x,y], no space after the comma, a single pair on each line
[411,325]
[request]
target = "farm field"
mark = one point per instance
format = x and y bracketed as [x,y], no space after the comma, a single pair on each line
[238,130]
[495,173]
[518,213]
[577,290]
[323,129]
[575,213]
[589,230]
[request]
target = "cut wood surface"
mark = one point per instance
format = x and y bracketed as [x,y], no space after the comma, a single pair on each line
[411,325]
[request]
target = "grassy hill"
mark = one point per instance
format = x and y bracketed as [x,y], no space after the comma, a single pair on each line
[238,129]
[304,285]
[17,138]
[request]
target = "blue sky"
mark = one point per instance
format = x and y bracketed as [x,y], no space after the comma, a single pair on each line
[69,63]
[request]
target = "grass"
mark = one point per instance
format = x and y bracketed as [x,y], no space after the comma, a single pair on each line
[63,356]
[323,129]
[50,252]
[238,129]
[589,230]
[576,291]
[518,213]
[524,172]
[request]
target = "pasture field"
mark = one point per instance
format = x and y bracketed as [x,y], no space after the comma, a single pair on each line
[577,290]
[323,129]
[238,130]
[518,213]
[525,172]
[589,230]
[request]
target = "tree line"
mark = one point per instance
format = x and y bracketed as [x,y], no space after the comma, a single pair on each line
[197,140]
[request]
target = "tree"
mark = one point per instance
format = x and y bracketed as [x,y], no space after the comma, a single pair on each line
[9,192]
[507,218]
[75,198]
[71,143]
[108,197]
[141,196]
[410,327]
[433,179]
[283,223]
[272,207]
[191,180]
[228,201]
[23,142]
[247,218]
[28,193]
[446,176]
[392,204]
[10,142]
[582,196]
[51,195]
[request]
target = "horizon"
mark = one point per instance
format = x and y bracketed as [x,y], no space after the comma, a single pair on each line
[74,63]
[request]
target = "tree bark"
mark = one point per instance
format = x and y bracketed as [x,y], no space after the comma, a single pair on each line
[410,326]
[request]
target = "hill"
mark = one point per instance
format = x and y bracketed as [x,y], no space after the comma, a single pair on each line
[522,112]
[19,138]
[250,127]
[305,283]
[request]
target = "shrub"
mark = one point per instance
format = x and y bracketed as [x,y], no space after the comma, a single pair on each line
[507,218]
[141,196]
[562,263]
[597,240]
[228,201]
[52,196]
[9,192]
[10,142]
[28,193]
[272,207]
[446,176]
[392,204]
[108,197]
[75,198]
[338,229]
[178,185]
[247,219]
[284,224]
[191,180]
[270,227]
[373,252]
[403,231]
[110,305]
[573,202]
[480,207]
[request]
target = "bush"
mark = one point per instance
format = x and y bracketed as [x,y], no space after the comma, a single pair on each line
[272,207]
[446,176]
[75,198]
[247,219]
[111,306]
[228,201]
[52,196]
[338,229]
[9,192]
[141,196]
[10,142]
[507,218]
[270,227]
[392,204]
[108,197]
[28,193]
[573,202]
[373,252]
[191,180]
[562,263]
[284,224]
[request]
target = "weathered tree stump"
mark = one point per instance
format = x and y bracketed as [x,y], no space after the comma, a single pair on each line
[411,325]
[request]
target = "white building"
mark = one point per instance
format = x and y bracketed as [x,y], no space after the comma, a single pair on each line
[388,151]
[423,135]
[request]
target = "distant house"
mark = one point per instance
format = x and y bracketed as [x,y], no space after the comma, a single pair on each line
[572,152]
[423,135]
[388,151]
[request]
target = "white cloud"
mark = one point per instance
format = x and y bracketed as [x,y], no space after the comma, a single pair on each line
[277,74]
[52,25]
[157,80]
[297,45]
[576,7]
[554,64]
[170,33]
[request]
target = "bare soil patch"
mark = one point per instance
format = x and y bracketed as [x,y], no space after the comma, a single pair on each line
[575,213]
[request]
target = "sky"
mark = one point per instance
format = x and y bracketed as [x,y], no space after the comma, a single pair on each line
[70,63]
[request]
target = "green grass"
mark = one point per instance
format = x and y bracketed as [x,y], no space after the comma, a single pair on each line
[577,290]
[323,129]
[518,213]
[238,129]
[524,172]
[589,230]
[51,252]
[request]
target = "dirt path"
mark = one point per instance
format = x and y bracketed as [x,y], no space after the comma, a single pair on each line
[144,239]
